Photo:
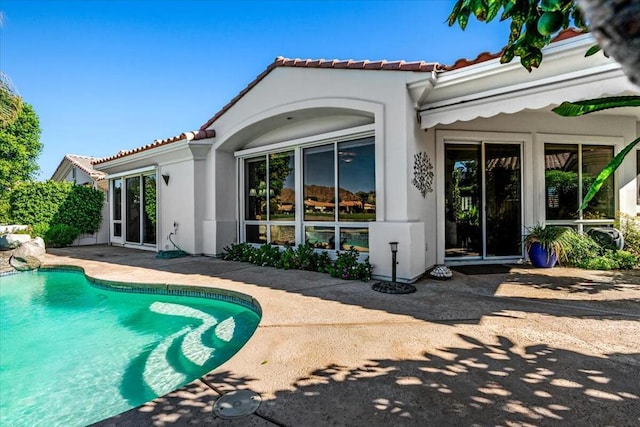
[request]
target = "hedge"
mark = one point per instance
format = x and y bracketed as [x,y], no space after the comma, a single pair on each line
[44,204]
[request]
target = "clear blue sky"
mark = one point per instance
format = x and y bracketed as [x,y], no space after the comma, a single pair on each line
[110,75]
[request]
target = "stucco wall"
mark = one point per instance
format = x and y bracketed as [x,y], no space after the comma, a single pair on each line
[300,103]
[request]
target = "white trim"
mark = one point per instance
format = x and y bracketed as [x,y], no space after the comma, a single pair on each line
[149,153]
[558,138]
[132,172]
[325,138]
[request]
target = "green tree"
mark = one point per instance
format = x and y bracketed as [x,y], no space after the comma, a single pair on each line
[19,148]
[10,101]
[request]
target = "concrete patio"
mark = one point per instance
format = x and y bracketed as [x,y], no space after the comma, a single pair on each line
[529,347]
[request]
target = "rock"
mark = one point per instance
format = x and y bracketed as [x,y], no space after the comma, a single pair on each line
[24,263]
[33,248]
[12,241]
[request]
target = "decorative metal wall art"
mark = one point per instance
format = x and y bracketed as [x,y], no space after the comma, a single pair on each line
[422,173]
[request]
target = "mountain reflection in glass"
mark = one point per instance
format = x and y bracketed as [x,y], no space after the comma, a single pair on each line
[357,180]
[319,183]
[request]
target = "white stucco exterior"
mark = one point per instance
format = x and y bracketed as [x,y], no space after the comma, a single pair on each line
[408,113]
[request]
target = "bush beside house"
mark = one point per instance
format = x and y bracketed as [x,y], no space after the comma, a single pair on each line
[346,265]
[57,211]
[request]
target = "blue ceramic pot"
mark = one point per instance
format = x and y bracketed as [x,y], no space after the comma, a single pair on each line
[540,257]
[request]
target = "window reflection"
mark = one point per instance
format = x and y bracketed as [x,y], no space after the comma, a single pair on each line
[117,207]
[256,233]
[150,211]
[358,238]
[338,195]
[319,183]
[594,159]
[564,175]
[357,180]
[561,181]
[283,235]
[320,237]
[282,193]
[256,189]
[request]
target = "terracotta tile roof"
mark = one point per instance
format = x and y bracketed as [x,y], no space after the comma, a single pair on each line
[189,136]
[350,64]
[487,56]
[84,163]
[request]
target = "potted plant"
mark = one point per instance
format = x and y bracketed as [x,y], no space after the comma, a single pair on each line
[546,245]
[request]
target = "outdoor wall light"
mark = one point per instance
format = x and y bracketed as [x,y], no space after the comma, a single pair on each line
[252,192]
[165,179]
[394,262]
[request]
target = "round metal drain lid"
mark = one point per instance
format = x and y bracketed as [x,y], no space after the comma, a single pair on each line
[236,404]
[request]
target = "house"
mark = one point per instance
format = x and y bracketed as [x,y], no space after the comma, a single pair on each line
[453,162]
[80,171]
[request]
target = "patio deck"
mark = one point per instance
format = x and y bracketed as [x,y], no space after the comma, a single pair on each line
[529,347]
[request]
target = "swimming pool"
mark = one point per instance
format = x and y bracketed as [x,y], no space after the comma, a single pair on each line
[75,351]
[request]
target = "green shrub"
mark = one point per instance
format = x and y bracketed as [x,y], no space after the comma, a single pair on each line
[40,229]
[581,249]
[61,235]
[42,204]
[82,209]
[347,267]
[625,260]
[585,253]
[629,226]
[5,218]
[237,252]
[265,256]
[303,257]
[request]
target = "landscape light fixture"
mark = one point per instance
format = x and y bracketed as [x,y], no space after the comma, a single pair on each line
[394,262]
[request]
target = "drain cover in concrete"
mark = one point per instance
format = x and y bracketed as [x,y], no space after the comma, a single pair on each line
[236,404]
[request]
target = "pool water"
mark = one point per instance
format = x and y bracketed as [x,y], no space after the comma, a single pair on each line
[73,354]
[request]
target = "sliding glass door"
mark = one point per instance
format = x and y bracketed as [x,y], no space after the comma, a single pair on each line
[483,200]
[134,209]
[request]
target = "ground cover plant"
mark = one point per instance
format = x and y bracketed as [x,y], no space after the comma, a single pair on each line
[586,253]
[303,257]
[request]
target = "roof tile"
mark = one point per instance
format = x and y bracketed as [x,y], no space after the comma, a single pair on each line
[487,56]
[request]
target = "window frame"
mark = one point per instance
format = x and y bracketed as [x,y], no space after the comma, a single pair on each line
[580,224]
[298,146]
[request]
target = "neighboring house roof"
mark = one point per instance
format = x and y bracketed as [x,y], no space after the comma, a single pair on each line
[350,64]
[84,163]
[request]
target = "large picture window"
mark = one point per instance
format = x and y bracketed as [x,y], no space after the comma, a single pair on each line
[570,169]
[337,196]
[270,199]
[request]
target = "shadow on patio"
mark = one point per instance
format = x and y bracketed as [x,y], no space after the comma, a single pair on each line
[475,383]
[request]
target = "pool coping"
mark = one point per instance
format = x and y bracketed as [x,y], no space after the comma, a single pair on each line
[170,289]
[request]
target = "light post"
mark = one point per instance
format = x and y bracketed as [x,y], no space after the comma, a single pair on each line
[393,287]
[394,258]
